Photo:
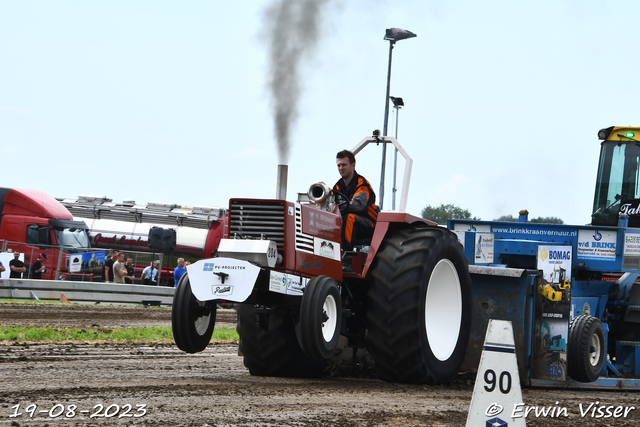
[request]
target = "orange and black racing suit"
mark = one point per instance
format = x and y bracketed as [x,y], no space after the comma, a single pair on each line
[359,218]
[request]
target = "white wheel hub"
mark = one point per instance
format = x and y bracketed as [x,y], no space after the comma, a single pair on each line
[330,310]
[443,309]
[594,356]
[202,323]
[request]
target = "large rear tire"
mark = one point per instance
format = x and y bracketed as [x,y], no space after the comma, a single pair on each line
[586,351]
[320,318]
[270,347]
[419,306]
[192,321]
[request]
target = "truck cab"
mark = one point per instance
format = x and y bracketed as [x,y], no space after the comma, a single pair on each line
[33,222]
[618,182]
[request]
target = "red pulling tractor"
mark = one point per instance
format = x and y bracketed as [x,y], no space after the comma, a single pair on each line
[408,299]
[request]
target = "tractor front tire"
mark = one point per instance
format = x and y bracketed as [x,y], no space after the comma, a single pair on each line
[192,321]
[586,350]
[269,345]
[419,306]
[320,318]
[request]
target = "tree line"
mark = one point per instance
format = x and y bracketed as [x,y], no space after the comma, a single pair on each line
[444,212]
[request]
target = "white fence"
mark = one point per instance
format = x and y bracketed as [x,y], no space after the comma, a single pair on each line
[86,292]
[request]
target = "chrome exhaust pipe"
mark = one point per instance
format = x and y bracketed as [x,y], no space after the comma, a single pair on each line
[281,183]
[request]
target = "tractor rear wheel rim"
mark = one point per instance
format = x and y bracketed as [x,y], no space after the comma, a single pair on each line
[443,309]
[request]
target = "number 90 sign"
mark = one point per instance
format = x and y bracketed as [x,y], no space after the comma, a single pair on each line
[503,381]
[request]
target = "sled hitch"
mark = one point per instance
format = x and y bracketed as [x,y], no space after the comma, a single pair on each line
[222,276]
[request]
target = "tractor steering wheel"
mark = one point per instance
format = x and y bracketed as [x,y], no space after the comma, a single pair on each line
[341,200]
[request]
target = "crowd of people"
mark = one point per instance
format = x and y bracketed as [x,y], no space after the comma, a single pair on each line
[117,269]
[17,268]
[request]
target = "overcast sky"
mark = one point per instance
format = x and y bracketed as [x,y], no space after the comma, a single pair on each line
[169,100]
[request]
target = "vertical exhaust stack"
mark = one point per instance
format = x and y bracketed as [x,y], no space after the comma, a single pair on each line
[281,184]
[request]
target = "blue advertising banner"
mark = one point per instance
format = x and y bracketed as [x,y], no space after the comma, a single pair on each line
[90,262]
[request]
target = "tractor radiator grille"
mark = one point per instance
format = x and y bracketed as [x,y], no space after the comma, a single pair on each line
[304,242]
[257,220]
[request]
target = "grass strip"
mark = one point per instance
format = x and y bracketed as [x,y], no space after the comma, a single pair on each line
[83,304]
[159,334]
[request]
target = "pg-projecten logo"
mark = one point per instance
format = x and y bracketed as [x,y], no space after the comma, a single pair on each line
[208,266]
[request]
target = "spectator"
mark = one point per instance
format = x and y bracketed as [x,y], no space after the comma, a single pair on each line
[108,266]
[130,278]
[149,274]
[16,266]
[2,269]
[38,268]
[119,270]
[179,271]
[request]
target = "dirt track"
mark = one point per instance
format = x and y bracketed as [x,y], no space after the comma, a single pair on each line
[95,315]
[214,388]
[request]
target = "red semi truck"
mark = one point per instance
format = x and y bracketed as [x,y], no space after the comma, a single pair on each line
[33,222]
[125,226]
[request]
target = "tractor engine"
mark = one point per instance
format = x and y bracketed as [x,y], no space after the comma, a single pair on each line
[306,234]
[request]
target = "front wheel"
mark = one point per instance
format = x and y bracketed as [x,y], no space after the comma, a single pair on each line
[320,318]
[192,320]
[419,306]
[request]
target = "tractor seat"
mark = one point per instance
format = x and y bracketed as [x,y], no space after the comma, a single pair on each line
[364,241]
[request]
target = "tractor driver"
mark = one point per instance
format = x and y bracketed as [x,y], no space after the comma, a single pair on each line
[359,214]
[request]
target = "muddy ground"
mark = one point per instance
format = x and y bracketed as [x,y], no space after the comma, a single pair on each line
[157,385]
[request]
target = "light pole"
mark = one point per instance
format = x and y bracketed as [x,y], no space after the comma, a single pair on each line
[398,103]
[393,35]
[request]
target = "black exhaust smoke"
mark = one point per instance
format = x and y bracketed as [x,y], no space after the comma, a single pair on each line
[292,29]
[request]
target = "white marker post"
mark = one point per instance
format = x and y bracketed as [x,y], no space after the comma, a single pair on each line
[497,387]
